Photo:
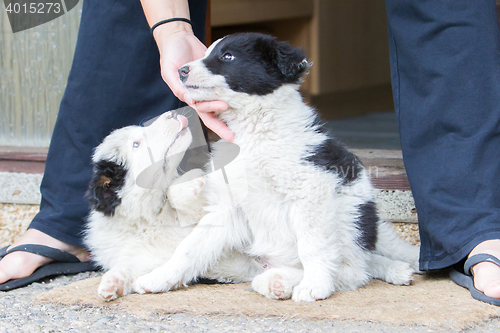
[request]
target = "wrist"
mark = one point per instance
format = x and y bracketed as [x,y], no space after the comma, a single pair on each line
[168,29]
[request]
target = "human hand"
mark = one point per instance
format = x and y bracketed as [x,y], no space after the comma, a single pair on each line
[178,46]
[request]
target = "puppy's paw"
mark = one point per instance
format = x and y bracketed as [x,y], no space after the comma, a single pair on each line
[184,195]
[311,291]
[399,273]
[111,287]
[273,286]
[196,185]
[188,185]
[279,288]
[193,187]
[153,282]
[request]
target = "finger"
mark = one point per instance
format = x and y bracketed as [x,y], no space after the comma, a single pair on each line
[170,75]
[172,79]
[187,99]
[216,125]
[210,106]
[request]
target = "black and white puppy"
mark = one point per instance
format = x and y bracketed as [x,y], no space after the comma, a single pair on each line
[294,199]
[141,208]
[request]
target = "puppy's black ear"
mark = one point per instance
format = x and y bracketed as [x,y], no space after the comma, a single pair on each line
[107,181]
[291,62]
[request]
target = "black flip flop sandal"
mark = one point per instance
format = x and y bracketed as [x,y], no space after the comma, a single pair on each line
[467,280]
[65,263]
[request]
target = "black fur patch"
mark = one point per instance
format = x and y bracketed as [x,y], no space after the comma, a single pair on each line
[107,181]
[258,64]
[334,157]
[367,224]
[318,125]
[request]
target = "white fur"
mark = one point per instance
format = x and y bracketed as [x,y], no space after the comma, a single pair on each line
[149,223]
[291,216]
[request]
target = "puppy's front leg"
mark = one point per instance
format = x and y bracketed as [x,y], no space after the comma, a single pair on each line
[194,254]
[318,255]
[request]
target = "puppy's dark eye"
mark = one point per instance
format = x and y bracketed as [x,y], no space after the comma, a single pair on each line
[227,57]
[136,144]
[169,115]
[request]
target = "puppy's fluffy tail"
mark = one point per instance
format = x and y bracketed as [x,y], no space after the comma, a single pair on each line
[391,246]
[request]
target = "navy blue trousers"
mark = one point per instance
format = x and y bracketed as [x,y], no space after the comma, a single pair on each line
[114,81]
[445,66]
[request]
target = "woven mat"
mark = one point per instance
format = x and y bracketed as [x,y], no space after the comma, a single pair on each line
[430,300]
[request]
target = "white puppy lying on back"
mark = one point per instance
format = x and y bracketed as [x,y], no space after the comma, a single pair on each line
[142,209]
[294,199]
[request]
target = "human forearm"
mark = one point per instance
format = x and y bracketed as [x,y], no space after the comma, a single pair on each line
[159,10]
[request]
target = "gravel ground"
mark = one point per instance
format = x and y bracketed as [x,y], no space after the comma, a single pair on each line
[14,220]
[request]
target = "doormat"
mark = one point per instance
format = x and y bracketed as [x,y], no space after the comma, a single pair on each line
[431,300]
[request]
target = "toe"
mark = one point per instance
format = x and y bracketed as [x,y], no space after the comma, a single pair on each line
[492,289]
[110,288]
[107,297]
[18,265]
[4,277]
[277,289]
[119,288]
[487,274]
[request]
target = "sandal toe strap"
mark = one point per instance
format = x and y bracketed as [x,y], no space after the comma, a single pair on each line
[476,259]
[46,251]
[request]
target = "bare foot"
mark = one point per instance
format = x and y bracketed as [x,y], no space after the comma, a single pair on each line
[487,274]
[20,264]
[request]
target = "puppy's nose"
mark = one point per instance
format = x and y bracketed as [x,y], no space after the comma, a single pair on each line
[184,73]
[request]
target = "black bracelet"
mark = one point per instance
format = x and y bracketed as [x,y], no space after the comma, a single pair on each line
[171,20]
